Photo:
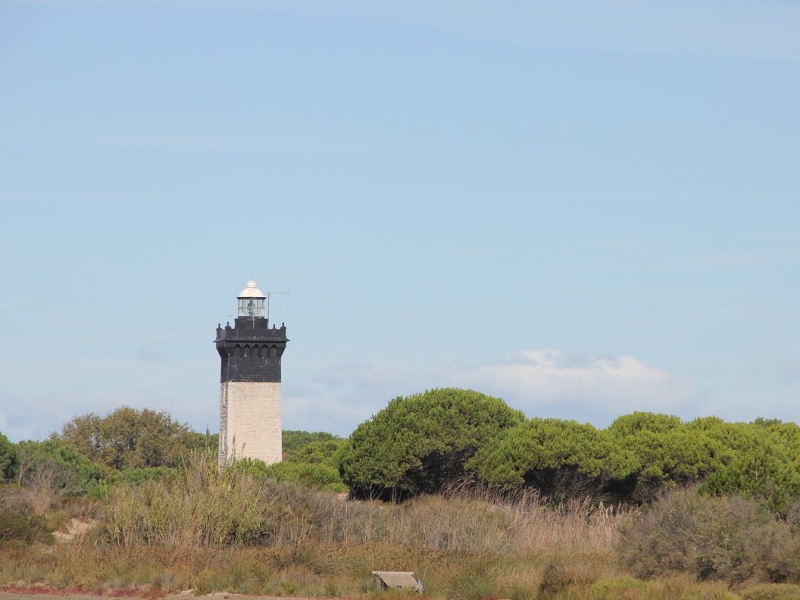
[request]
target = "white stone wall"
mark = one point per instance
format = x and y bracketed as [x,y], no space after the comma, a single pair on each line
[250,421]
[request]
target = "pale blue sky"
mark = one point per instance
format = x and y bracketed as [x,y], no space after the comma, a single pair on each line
[583,207]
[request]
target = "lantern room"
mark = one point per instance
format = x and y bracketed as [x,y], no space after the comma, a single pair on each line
[251,301]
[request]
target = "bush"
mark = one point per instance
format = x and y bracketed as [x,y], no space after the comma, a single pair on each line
[200,508]
[324,452]
[132,477]
[770,479]
[315,475]
[421,443]
[23,526]
[294,442]
[56,467]
[731,539]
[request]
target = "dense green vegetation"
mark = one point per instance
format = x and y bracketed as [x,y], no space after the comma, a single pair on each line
[129,439]
[56,464]
[296,442]
[490,503]
[434,441]
[429,442]
[92,454]
[421,444]
[560,459]
[8,457]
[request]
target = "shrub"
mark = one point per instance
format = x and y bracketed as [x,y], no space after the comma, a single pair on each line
[556,578]
[295,442]
[198,508]
[324,452]
[56,467]
[665,588]
[728,538]
[771,479]
[315,475]
[132,477]
[23,526]
[255,467]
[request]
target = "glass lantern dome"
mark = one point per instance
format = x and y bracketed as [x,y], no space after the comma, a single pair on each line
[251,301]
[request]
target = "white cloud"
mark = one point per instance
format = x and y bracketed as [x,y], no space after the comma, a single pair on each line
[536,379]
[552,383]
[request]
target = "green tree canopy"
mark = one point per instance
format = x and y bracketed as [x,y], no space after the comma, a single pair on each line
[763,477]
[295,443]
[61,467]
[667,451]
[734,438]
[420,443]
[8,458]
[760,461]
[325,452]
[129,438]
[562,459]
[644,421]
[787,433]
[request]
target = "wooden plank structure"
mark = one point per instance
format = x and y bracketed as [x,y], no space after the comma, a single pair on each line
[397,580]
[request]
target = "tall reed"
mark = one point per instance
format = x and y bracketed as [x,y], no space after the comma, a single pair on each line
[205,508]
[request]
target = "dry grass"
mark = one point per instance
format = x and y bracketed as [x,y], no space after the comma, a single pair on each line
[208,531]
[212,531]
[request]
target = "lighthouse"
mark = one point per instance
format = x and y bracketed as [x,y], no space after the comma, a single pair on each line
[250,382]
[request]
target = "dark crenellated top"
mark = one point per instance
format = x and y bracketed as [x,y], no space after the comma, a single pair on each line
[251,350]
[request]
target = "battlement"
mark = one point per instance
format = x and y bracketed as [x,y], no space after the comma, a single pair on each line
[251,351]
[251,329]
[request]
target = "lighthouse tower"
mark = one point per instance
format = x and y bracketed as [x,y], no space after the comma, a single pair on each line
[250,382]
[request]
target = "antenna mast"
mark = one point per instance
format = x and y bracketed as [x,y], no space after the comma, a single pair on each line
[269,294]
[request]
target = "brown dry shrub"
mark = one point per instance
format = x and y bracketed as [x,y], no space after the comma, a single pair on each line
[731,539]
